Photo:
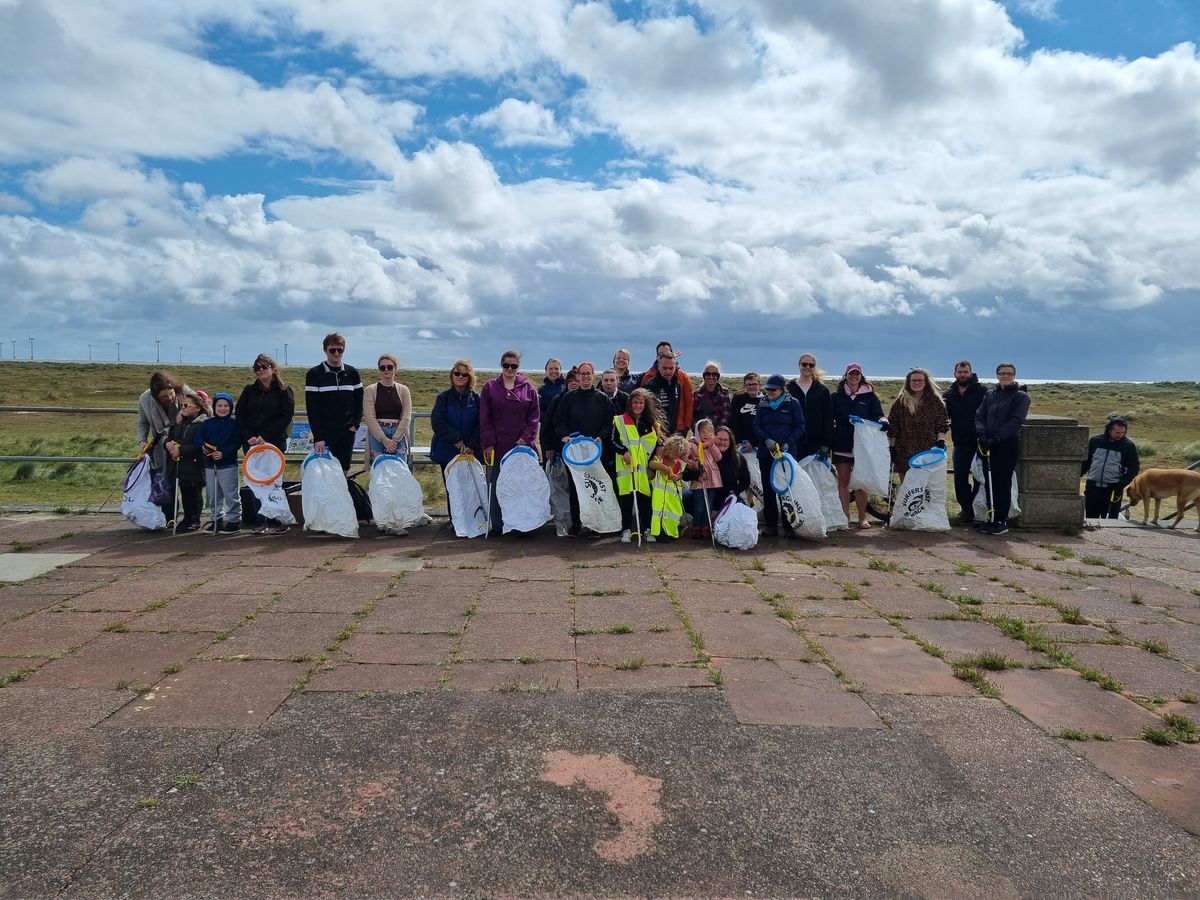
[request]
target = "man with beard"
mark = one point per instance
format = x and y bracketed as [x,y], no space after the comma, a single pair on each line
[672,389]
[962,399]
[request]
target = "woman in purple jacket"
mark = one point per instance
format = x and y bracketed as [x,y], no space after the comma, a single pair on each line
[508,417]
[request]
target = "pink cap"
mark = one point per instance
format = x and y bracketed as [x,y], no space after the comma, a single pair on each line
[853,367]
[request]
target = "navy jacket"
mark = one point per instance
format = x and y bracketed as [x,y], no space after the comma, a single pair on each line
[785,426]
[455,418]
[221,432]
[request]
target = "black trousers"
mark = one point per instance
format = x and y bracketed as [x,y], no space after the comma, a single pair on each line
[192,496]
[1101,501]
[965,487]
[341,444]
[1003,466]
[628,522]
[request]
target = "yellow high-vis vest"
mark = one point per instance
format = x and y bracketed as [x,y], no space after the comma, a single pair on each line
[641,448]
[666,503]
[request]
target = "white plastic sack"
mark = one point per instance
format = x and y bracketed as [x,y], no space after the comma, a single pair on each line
[921,503]
[825,481]
[523,491]
[872,458]
[467,496]
[396,499]
[736,525]
[798,498]
[750,458]
[598,506]
[135,501]
[980,505]
[560,496]
[325,497]
[263,467]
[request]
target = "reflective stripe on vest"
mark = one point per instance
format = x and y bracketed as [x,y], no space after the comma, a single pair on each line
[641,448]
[666,506]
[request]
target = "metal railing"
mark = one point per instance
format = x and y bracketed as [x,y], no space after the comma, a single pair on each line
[417,456]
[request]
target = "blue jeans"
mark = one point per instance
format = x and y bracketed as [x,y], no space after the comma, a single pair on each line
[389,431]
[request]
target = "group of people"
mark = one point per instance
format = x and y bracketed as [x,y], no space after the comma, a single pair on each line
[663,441]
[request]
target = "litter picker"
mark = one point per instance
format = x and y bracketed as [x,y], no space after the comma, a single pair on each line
[489,459]
[985,455]
[707,507]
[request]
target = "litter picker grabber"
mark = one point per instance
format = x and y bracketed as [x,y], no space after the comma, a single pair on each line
[489,459]
[986,456]
[707,507]
[637,515]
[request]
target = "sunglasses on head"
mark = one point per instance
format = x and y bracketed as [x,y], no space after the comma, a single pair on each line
[510,366]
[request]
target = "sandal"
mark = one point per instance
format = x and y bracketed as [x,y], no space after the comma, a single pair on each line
[863,524]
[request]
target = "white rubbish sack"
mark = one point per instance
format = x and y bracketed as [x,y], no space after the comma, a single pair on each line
[396,499]
[135,501]
[872,470]
[325,498]
[825,481]
[467,496]
[263,467]
[921,502]
[799,501]
[598,506]
[750,458]
[560,495]
[736,525]
[523,491]
[980,505]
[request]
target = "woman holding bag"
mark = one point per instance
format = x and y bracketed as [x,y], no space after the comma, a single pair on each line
[854,397]
[917,419]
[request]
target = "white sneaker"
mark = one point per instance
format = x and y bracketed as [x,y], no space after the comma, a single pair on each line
[650,539]
[625,536]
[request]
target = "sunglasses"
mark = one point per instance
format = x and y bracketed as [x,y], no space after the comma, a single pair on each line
[808,365]
[712,374]
[387,368]
[261,367]
[510,366]
[335,349]
[460,374]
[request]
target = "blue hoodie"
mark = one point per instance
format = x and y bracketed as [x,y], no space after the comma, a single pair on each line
[222,433]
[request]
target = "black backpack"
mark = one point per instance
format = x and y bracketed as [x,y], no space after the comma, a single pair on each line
[362,502]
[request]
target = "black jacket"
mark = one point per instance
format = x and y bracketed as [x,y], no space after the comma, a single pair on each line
[1001,414]
[333,399]
[588,412]
[961,408]
[743,410]
[735,476]
[189,468]
[818,416]
[1111,463]
[865,406]
[266,414]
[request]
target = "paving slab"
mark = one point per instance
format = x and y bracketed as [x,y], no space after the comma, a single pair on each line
[375,677]
[908,602]
[698,568]
[128,594]
[630,578]
[607,678]
[276,635]
[1168,778]
[810,585]
[976,586]
[1104,606]
[451,585]
[889,666]
[200,612]
[963,639]
[24,566]
[15,605]
[399,649]
[762,692]
[640,612]
[120,659]
[525,597]
[1065,633]
[1058,700]
[716,596]
[212,694]
[12,664]
[848,626]
[252,578]
[333,592]
[49,633]
[388,564]
[735,634]
[514,677]
[393,614]
[1031,613]
[664,648]
[533,568]
[1181,640]
[33,714]
[1140,671]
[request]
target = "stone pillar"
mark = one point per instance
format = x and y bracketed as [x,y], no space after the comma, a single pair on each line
[1052,448]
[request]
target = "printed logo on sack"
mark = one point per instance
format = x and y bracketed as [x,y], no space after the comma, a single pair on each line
[914,500]
[596,488]
[791,511]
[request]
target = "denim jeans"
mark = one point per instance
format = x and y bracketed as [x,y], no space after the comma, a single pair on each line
[389,431]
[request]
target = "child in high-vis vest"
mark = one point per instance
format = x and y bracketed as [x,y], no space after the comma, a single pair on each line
[705,455]
[635,436]
[666,492]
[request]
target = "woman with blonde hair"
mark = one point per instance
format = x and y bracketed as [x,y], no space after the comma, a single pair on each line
[455,417]
[817,402]
[387,407]
[918,419]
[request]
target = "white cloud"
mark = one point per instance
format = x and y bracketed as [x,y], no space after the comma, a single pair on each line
[523,122]
[1039,9]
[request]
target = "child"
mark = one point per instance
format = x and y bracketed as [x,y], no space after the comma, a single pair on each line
[218,439]
[666,493]
[635,437]
[705,455]
[186,464]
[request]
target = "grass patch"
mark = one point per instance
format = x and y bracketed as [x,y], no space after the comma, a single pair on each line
[658,628]
[619,628]
[148,802]
[1136,599]
[882,565]
[849,593]
[631,663]
[1071,615]
[1158,648]
[173,668]
[523,687]
[1075,734]
[758,564]
[715,676]
[1071,530]
[975,678]
[964,569]
[116,628]
[1183,727]
[990,661]
[527,659]
[602,592]
[18,546]
[185,780]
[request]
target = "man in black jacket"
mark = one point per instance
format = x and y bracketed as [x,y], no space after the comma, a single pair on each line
[588,412]
[333,399]
[1111,464]
[962,400]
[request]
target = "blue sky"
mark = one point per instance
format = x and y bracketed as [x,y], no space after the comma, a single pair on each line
[896,185]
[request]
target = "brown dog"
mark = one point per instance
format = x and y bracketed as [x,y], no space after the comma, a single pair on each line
[1157,484]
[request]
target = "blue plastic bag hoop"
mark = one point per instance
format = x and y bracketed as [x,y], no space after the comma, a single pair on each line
[580,439]
[520,448]
[791,474]
[859,420]
[389,457]
[926,458]
[324,454]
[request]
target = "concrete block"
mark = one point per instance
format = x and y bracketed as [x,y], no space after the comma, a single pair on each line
[1042,510]
[1048,475]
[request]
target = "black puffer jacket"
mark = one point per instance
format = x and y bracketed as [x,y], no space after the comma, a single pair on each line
[588,412]
[962,408]
[1002,413]
[266,414]
[818,416]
